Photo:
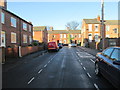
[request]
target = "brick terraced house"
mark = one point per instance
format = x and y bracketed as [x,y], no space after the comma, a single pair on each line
[62,36]
[40,33]
[91,29]
[15,31]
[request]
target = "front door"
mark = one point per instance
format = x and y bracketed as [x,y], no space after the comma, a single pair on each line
[3,38]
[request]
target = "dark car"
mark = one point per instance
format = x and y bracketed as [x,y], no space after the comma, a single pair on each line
[107,64]
[60,45]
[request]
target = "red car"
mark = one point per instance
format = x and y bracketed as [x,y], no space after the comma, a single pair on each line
[53,46]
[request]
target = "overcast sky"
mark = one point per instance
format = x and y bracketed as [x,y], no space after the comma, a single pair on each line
[57,14]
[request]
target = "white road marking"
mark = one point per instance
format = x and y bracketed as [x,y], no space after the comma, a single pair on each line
[96,86]
[45,65]
[40,71]
[84,68]
[89,75]
[92,60]
[31,80]
[81,63]
[49,62]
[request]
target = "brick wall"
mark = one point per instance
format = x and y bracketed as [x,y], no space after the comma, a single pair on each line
[14,52]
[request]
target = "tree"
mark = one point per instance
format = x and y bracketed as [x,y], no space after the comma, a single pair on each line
[72,25]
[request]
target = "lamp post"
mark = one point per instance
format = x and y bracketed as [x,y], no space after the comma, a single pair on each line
[102,24]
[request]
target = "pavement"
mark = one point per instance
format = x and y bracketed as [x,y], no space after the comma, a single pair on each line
[12,62]
[89,50]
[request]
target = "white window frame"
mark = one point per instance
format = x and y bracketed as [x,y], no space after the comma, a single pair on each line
[25,26]
[3,44]
[107,28]
[24,36]
[64,35]
[79,35]
[90,27]
[96,29]
[14,23]
[107,36]
[12,33]
[64,41]
[71,35]
[60,35]
[2,18]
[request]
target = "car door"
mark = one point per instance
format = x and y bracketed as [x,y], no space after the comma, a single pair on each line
[114,69]
[105,61]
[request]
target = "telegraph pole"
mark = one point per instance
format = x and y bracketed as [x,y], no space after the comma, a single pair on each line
[102,24]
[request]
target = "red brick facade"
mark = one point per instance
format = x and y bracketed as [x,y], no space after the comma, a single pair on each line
[62,36]
[18,30]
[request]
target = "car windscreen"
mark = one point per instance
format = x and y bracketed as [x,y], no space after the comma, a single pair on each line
[116,54]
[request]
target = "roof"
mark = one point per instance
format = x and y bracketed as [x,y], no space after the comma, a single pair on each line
[39,28]
[91,21]
[64,31]
[15,15]
[107,22]
[112,22]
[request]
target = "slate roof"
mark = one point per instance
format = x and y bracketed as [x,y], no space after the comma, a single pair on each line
[39,28]
[112,22]
[64,31]
[91,21]
[107,22]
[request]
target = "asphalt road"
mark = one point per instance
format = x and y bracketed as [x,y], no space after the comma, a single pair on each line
[67,68]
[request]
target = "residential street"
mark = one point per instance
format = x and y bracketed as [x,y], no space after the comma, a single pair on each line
[68,68]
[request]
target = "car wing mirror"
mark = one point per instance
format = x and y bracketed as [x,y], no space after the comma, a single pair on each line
[116,62]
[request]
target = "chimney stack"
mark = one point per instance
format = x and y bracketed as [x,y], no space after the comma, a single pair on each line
[3,4]
[98,18]
[51,28]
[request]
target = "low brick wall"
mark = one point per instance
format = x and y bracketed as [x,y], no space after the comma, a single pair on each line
[14,52]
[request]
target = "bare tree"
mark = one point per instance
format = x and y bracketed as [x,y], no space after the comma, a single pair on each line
[72,25]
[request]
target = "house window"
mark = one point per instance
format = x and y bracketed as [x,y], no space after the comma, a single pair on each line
[53,36]
[96,37]
[107,28]
[115,30]
[30,39]
[96,27]
[60,35]
[2,38]
[75,36]
[24,38]
[64,35]
[107,36]
[79,35]
[71,36]
[13,22]
[13,37]
[2,18]
[30,28]
[90,27]
[64,41]
[24,26]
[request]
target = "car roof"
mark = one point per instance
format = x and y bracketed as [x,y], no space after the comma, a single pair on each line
[115,47]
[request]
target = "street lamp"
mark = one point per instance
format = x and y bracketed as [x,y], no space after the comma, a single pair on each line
[102,24]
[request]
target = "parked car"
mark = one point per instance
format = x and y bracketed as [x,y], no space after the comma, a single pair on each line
[60,45]
[53,46]
[72,45]
[107,64]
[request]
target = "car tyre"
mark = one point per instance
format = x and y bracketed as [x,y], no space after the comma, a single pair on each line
[97,70]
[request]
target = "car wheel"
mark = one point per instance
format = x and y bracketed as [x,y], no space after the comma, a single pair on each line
[97,70]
